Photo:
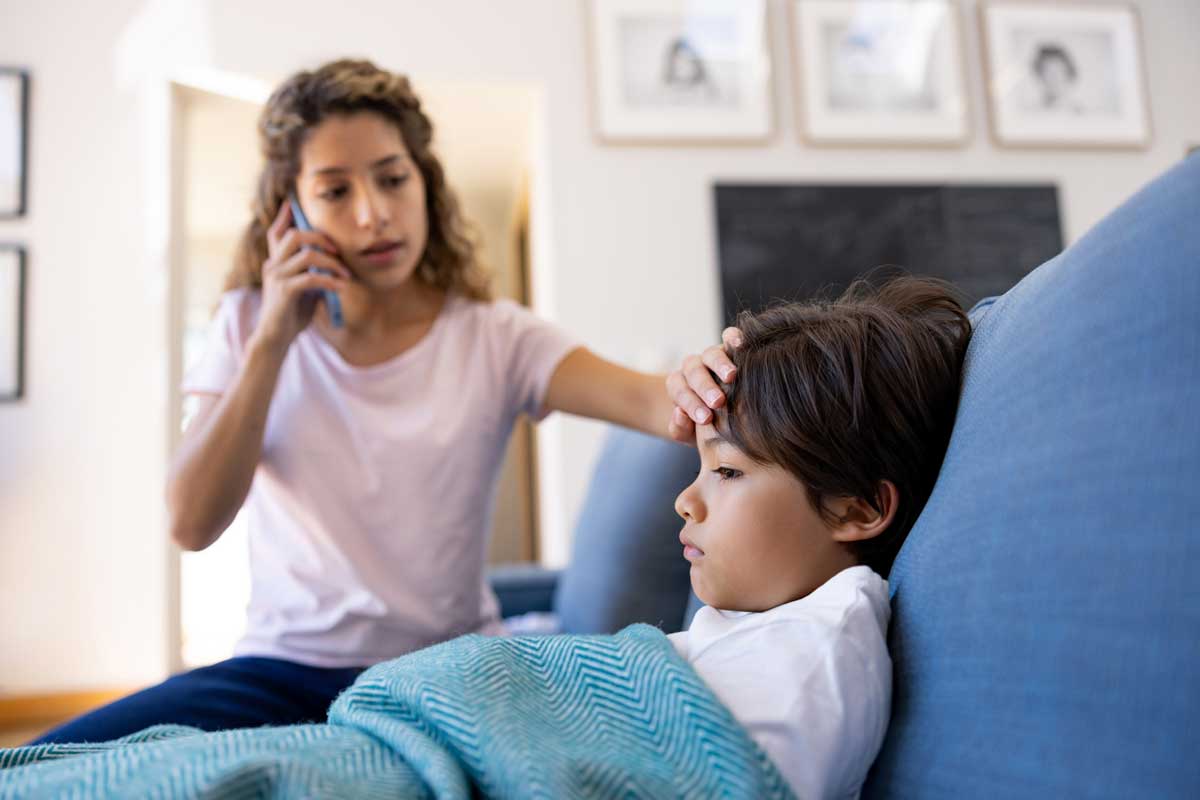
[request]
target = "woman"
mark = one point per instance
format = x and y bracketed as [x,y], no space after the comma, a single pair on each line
[365,454]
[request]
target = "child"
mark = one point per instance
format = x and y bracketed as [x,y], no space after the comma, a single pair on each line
[812,474]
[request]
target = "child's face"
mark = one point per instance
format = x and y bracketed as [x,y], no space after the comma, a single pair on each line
[753,538]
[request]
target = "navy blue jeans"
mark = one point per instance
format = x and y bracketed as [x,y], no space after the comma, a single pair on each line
[243,692]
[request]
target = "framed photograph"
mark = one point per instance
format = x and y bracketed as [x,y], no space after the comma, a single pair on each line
[1065,75]
[880,72]
[14,124]
[684,71]
[12,322]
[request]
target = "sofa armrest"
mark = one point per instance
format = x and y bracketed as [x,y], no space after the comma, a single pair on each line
[522,588]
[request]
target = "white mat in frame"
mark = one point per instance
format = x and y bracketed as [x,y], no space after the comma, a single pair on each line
[680,71]
[12,322]
[14,125]
[880,72]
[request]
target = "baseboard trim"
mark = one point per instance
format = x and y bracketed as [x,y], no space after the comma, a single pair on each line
[21,711]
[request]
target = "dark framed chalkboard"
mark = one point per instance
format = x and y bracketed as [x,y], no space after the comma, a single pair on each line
[791,242]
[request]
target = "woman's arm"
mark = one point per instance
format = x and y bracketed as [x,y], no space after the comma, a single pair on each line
[211,473]
[590,386]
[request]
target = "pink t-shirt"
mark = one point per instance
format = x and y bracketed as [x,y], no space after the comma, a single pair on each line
[370,512]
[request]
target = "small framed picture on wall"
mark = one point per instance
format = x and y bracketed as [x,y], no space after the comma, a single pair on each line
[14,126]
[1065,74]
[880,72]
[12,322]
[681,71]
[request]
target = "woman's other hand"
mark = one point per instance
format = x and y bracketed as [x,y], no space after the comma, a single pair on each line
[693,390]
[289,288]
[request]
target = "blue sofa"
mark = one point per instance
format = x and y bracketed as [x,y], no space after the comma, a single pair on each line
[1046,606]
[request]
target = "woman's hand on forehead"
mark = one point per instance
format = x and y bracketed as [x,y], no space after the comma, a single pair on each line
[694,391]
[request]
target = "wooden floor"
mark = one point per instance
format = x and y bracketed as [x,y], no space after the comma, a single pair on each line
[26,717]
[15,737]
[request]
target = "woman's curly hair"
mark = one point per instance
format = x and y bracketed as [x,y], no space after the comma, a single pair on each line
[347,86]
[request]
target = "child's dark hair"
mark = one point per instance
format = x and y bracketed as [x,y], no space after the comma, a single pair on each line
[846,393]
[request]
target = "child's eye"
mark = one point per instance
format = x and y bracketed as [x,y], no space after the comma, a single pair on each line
[334,193]
[727,473]
[393,181]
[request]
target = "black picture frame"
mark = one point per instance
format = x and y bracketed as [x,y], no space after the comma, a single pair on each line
[18,336]
[19,208]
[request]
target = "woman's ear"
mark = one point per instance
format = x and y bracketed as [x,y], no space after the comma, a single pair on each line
[857,520]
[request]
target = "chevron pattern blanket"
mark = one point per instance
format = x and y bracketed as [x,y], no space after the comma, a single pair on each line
[529,717]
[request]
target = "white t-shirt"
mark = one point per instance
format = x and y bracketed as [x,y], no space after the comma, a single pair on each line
[810,681]
[370,511]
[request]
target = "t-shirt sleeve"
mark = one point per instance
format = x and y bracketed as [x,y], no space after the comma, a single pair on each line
[534,349]
[224,345]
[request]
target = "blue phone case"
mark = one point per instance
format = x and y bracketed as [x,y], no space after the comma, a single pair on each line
[333,303]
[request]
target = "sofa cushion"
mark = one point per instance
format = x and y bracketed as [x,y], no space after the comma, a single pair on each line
[1046,606]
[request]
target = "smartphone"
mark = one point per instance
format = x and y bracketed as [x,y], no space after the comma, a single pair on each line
[333,303]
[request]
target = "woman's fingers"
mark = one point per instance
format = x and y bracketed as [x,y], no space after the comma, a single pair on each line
[700,381]
[683,395]
[303,259]
[681,428]
[694,390]
[279,225]
[310,281]
[716,359]
[295,239]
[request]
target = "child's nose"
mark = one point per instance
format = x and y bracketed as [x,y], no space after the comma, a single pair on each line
[688,505]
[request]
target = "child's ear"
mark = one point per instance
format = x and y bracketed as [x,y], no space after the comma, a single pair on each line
[856,520]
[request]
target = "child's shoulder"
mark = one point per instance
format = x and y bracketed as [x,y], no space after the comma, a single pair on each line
[849,609]
[854,586]
[854,601]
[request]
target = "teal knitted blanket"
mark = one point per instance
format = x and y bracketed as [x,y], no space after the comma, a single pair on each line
[528,717]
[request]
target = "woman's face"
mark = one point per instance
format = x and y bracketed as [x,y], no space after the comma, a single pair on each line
[359,186]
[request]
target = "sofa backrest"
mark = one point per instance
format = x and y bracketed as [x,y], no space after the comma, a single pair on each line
[627,563]
[1046,607]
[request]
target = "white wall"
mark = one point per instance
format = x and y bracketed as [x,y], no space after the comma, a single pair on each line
[629,241]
